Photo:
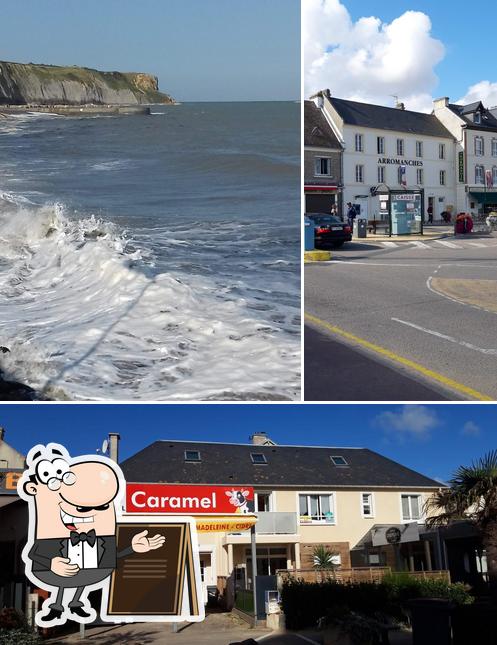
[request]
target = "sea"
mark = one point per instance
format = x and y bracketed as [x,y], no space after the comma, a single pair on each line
[152,257]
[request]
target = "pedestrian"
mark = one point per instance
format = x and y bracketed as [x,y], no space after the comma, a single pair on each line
[351,214]
[430,214]
[334,210]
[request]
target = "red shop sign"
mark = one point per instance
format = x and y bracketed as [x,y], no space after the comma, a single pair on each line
[189,500]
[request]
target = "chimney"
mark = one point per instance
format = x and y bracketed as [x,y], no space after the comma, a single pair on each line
[114,438]
[259,438]
[400,106]
[438,104]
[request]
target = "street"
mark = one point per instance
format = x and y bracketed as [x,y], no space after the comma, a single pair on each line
[415,321]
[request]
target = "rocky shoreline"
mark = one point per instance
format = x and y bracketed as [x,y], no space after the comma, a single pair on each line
[15,391]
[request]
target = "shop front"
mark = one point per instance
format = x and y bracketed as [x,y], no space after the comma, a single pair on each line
[320,198]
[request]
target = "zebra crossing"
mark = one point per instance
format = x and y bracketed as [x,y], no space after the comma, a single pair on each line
[434,244]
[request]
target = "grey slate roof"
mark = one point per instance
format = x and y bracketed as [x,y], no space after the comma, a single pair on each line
[287,466]
[488,117]
[317,131]
[367,115]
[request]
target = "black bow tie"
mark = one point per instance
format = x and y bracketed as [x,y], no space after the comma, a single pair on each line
[89,537]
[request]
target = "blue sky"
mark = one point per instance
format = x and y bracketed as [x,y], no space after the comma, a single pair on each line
[199,49]
[467,33]
[431,439]
[416,50]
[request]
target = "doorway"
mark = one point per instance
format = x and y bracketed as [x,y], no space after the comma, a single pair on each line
[206,574]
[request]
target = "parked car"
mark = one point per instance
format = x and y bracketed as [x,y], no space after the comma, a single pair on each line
[329,230]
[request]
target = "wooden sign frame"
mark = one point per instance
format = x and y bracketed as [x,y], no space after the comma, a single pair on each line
[154,572]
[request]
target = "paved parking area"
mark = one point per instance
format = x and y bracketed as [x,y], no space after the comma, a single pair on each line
[217,629]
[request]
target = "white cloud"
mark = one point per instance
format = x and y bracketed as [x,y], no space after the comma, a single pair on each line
[470,429]
[369,60]
[484,91]
[412,421]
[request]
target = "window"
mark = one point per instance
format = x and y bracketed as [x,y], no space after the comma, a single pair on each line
[359,143]
[477,118]
[317,508]
[419,177]
[338,460]
[380,145]
[322,166]
[479,147]
[479,175]
[441,150]
[411,507]
[494,175]
[263,502]
[192,455]
[442,178]
[381,174]
[258,458]
[494,147]
[359,174]
[400,147]
[401,174]
[419,148]
[367,504]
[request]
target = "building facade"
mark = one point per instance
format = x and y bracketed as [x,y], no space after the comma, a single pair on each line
[304,497]
[322,163]
[474,129]
[391,149]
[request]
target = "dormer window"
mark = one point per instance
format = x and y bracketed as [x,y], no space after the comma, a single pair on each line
[192,455]
[338,460]
[258,458]
[477,117]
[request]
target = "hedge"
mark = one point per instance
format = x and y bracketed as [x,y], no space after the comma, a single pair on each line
[304,603]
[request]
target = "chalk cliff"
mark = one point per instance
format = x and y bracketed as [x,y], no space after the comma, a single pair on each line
[22,84]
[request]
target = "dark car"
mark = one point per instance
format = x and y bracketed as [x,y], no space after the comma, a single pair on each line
[329,230]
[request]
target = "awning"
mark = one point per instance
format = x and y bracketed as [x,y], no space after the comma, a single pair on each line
[313,187]
[228,524]
[489,197]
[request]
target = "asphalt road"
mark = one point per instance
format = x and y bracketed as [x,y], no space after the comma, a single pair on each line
[426,308]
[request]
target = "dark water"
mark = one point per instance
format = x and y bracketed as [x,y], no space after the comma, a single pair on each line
[153,257]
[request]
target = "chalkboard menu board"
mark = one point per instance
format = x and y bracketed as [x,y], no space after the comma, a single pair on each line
[159,583]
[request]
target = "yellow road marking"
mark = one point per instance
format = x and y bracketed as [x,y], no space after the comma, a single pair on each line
[444,380]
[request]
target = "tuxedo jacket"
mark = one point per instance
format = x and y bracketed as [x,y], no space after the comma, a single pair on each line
[43,551]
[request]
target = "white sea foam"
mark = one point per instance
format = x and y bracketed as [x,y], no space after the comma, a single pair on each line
[86,319]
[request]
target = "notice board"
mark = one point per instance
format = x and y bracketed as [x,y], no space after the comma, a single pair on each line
[163,584]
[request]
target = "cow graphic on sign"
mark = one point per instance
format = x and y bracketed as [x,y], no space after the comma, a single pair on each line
[239,499]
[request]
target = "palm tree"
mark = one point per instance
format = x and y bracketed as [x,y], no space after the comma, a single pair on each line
[472,496]
[323,558]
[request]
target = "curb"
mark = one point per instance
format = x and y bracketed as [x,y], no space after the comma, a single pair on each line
[317,256]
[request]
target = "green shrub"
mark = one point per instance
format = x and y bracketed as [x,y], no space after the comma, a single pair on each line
[18,637]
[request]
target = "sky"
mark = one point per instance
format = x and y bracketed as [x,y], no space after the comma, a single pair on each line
[415,49]
[201,50]
[431,439]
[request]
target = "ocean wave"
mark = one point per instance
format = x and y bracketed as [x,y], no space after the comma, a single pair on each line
[86,319]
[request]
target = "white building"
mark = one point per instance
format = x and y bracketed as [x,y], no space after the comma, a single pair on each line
[475,131]
[387,149]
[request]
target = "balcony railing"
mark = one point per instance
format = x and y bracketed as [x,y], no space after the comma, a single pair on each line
[276,523]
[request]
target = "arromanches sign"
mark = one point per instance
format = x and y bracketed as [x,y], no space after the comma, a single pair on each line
[400,162]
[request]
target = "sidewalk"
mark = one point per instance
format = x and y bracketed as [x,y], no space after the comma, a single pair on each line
[217,629]
[430,232]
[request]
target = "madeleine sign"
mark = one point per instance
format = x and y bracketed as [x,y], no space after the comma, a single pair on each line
[189,499]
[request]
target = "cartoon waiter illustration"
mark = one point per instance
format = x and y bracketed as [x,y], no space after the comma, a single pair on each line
[71,547]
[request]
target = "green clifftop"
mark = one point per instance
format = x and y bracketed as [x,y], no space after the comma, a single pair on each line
[22,84]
